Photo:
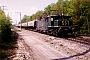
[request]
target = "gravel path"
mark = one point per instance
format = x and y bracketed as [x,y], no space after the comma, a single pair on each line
[24,52]
[45,47]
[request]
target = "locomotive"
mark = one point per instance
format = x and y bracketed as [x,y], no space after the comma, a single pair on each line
[57,25]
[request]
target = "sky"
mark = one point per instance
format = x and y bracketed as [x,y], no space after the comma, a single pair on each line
[26,7]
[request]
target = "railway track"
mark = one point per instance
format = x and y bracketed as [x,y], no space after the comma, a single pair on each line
[81,39]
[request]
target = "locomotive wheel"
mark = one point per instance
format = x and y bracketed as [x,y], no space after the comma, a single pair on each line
[47,33]
[64,34]
[55,33]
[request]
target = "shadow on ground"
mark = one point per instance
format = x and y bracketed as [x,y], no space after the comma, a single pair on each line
[80,54]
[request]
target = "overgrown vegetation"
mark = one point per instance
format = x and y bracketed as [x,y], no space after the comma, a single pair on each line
[8,49]
[8,39]
[78,9]
[5,27]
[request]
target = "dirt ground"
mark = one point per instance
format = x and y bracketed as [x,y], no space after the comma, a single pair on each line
[37,46]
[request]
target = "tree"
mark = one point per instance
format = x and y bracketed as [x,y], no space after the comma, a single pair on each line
[24,19]
[47,9]
[80,16]
[58,8]
[5,26]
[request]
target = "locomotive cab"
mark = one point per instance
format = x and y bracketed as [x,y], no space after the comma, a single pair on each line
[51,20]
[59,24]
[52,25]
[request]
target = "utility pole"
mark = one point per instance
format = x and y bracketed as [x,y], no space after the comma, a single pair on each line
[89,26]
[3,7]
[20,19]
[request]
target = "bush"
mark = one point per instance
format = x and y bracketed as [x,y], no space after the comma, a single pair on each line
[5,27]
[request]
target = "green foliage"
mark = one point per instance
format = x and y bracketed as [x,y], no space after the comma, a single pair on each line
[33,17]
[26,18]
[5,26]
[38,14]
[80,16]
[47,9]
[7,38]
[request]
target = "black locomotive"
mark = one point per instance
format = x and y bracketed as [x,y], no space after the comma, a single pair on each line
[52,24]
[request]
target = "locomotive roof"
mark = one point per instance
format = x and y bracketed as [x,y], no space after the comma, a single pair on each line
[52,15]
[61,16]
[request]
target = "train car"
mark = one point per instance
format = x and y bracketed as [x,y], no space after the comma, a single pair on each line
[18,25]
[28,25]
[24,25]
[31,24]
[41,25]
